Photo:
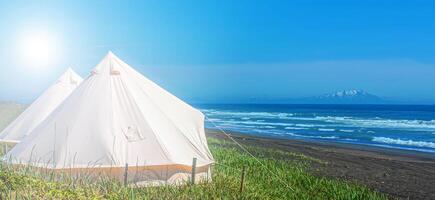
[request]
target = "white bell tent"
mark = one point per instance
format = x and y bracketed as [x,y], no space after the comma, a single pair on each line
[41,108]
[118,117]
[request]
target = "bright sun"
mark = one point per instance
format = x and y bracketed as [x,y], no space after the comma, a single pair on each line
[38,49]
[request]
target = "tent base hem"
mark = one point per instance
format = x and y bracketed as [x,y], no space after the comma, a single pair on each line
[137,176]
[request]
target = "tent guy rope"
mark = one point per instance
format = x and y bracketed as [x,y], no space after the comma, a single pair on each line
[249,153]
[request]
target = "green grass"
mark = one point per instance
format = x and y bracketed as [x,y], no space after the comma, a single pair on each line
[287,179]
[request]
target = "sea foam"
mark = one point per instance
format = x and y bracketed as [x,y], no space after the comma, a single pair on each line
[376,122]
[404,142]
[381,123]
[312,136]
[326,129]
[294,128]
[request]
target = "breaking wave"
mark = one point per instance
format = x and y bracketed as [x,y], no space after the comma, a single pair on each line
[259,123]
[249,114]
[380,123]
[294,128]
[326,129]
[312,136]
[375,129]
[333,120]
[404,142]
[346,130]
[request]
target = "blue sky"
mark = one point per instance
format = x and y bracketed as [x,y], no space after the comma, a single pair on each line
[226,51]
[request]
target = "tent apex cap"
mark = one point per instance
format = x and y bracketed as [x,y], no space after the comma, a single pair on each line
[69,70]
[110,53]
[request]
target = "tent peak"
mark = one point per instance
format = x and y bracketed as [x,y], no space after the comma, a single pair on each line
[110,56]
[69,69]
[71,76]
[110,53]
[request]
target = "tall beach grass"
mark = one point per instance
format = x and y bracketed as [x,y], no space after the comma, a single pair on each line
[282,175]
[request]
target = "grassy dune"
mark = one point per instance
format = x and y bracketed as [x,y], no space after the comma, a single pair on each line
[287,179]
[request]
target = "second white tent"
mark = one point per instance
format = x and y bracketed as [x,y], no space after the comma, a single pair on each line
[41,108]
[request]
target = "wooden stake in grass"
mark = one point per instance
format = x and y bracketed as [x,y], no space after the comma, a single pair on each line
[193,170]
[242,180]
[126,174]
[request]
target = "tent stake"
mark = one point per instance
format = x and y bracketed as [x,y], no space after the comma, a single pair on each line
[193,171]
[125,174]
[242,180]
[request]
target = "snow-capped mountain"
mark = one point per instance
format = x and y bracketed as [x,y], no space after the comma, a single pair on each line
[339,97]
[347,96]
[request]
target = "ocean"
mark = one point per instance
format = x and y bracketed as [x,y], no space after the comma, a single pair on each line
[410,127]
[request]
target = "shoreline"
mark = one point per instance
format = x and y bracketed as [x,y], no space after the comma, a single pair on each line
[397,172]
[412,155]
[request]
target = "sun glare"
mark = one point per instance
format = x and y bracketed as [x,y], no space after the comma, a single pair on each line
[38,49]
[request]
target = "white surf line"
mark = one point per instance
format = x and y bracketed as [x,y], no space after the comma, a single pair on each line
[413,143]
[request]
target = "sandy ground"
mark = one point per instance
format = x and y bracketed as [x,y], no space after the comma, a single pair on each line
[399,173]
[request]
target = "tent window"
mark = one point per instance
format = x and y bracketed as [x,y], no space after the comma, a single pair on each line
[132,134]
[72,81]
[114,72]
[114,69]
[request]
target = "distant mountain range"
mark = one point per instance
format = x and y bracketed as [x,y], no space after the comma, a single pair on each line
[346,97]
[339,97]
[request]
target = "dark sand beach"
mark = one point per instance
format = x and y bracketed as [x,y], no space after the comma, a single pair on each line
[399,173]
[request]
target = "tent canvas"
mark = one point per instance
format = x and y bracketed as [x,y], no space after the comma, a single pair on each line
[41,107]
[117,117]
